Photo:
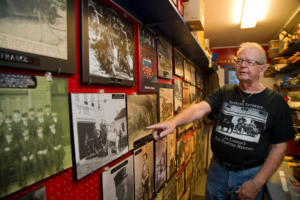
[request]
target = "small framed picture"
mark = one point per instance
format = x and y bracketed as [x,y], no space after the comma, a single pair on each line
[164,51]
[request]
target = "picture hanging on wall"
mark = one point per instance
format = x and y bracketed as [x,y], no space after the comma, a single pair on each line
[185,95]
[177,95]
[197,140]
[178,64]
[180,184]
[159,195]
[188,148]
[108,45]
[170,189]
[35,122]
[187,194]
[39,193]
[187,71]
[99,129]
[188,172]
[148,60]
[193,77]
[39,37]
[142,112]
[171,155]
[180,153]
[160,163]
[193,181]
[164,52]
[198,78]
[192,94]
[180,131]
[118,182]
[166,102]
[144,171]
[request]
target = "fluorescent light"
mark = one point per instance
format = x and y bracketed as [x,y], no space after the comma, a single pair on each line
[251,12]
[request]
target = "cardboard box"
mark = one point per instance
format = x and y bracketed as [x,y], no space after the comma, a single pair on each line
[194,14]
[199,35]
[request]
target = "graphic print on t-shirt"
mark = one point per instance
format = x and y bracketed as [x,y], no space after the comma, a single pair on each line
[244,123]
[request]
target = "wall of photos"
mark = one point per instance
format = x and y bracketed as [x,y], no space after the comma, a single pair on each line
[101,105]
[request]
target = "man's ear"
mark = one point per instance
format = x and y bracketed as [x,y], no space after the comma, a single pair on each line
[263,68]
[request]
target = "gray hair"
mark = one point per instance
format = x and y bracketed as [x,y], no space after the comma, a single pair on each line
[253,45]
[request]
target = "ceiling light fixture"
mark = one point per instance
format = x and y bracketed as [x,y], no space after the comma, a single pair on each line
[251,12]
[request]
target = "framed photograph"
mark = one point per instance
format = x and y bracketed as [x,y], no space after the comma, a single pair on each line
[180,131]
[171,155]
[164,52]
[177,95]
[187,71]
[39,193]
[99,129]
[193,76]
[159,195]
[194,176]
[35,121]
[108,45]
[180,184]
[144,171]
[178,64]
[118,182]
[170,189]
[187,194]
[198,78]
[148,60]
[197,143]
[142,112]
[38,35]
[185,94]
[180,153]
[188,148]
[160,163]
[188,172]
[166,102]
[192,94]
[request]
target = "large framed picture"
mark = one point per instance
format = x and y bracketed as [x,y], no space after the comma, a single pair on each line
[185,94]
[170,189]
[35,122]
[193,77]
[187,71]
[38,35]
[148,60]
[177,95]
[180,153]
[108,45]
[180,184]
[99,129]
[166,102]
[144,171]
[178,64]
[164,51]
[142,112]
[171,155]
[160,163]
[118,182]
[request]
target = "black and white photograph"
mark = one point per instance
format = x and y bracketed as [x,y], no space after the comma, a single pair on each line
[180,184]
[144,171]
[142,112]
[164,53]
[148,60]
[177,95]
[160,163]
[99,129]
[188,147]
[187,194]
[193,76]
[188,172]
[170,189]
[185,95]
[180,153]
[39,193]
[180,131]
[192,94]
[178,64]
[166,103]
[187,71]
[118,182]
[171,155]
[35,133]
[41,32]
[198,78]
[108,45]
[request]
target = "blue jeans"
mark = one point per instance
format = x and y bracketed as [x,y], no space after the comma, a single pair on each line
[222,184]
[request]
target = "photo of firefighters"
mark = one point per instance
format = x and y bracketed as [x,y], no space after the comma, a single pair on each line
[170,189]
[171,155]
[166,104]
[144,171]
[142,112]
[193,75]
[100,130]
[177,95]
[111,44]
[178,64]
[180,184]
[164,51]
[160,163]
[34,133]
[180,152]
[185,95]
[187,71]
[118,182]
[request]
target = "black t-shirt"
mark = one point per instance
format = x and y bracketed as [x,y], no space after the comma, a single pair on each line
[243,132]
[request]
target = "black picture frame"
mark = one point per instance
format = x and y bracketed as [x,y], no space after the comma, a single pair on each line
[107,39]
[178,64]
[51,41]
[165,99]
[164,58]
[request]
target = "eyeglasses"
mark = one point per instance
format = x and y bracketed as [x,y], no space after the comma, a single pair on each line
[248,62]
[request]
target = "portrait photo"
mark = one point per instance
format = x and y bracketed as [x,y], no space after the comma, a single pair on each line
[160,163]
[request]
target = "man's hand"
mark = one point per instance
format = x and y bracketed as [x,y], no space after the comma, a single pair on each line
[166,127]
[247,191]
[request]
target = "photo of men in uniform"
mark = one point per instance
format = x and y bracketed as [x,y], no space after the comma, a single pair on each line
[171,154]
[166,105]
[160,163]
[35,134]
[164,58]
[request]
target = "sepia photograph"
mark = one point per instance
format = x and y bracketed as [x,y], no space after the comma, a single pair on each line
[34,133]
[187,194]
[171,155]
[180,153]
[159,195]
[185,95]
[178,64]
[180,184]
[180,131]
[164,52]
[118,182]
[37,194]
[42,32]
[99,129]
[160,163]
[188,172]
[170,189]
[108,45]
[187,71]
[142,112]
[192,94]
[198,78]
[144,171]
[193,76]
[148,61]
[188,147]
[177,95]
[166,107]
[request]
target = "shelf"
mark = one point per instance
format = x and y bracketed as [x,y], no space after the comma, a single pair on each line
[288,68]
[292,50]
[289,87]
[163,18]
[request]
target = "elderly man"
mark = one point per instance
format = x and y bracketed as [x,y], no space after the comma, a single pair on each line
[236,155]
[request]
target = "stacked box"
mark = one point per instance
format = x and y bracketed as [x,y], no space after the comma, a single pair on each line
[194,14]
